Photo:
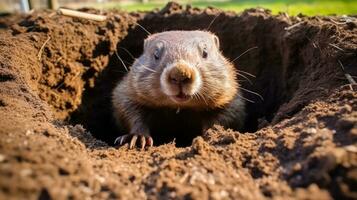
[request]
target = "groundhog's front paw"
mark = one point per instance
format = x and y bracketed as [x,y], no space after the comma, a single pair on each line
[145,141]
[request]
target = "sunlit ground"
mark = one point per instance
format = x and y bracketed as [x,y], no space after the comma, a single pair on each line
[307,7]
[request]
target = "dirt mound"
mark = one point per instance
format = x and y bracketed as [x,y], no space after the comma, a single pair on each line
[57,74]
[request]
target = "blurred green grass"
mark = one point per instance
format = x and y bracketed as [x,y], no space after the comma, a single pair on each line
[307,7]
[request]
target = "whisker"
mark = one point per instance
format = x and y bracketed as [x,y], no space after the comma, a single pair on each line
[246,98]
[142,28]
[195,96]
[250,82]
[122,62]
[131,55]
[128,52]
[244,53]
[260,96]
[202,98]
[198,96]
[247,73]
[147,68]
[241,80]
[210,24]
[209,97]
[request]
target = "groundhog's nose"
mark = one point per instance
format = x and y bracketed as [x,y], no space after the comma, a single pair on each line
[181,75]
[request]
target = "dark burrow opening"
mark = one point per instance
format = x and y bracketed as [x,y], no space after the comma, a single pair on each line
[284,62]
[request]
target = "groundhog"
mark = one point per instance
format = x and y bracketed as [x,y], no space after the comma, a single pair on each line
[179,87]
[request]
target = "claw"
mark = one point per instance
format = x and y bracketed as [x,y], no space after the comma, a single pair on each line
[142,142]
[133,141]
[118,139]
[123,138]
[145,141]
[149,141]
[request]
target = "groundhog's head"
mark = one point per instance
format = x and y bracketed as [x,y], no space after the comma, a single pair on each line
[184,69]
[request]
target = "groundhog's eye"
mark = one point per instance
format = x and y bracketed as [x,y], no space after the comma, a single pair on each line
[204,53]
[157,54]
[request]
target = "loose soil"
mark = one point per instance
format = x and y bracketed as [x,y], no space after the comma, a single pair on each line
[57,132]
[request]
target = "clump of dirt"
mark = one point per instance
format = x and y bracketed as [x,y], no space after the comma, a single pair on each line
[57,74]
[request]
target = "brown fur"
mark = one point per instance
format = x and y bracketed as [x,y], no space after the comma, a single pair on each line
[147,89]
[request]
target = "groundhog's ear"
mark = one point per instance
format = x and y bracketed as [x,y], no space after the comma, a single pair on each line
[216,41]
[146,43]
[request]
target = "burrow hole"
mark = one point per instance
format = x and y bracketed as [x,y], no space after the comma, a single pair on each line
[275,63]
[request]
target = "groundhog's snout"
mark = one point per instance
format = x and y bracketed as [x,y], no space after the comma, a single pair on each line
[181,75]
[180,81]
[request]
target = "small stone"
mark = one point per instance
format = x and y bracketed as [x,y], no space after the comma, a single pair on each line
[29,132]
[34,38]
[336,156]
[101,179]
[297,167]
[351,148]
[25,172]
[311,130]
[2,158]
